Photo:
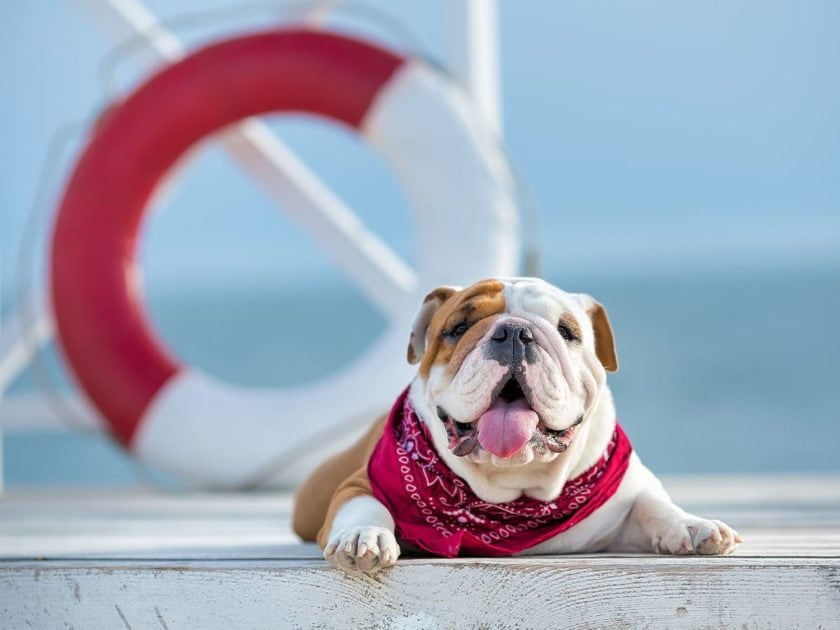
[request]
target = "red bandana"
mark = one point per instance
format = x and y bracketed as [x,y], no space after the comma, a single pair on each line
[435,510]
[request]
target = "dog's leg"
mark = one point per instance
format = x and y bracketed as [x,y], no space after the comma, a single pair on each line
[656,524]
[362,536]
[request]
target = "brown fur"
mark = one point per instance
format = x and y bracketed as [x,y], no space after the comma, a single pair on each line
[470,341]
[336,481]
[471,305]
[569,320]
[604,342]
[430,304]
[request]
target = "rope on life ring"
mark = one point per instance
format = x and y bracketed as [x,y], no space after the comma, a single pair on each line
[185,421]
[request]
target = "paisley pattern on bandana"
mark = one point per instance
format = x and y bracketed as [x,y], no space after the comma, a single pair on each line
[436,511]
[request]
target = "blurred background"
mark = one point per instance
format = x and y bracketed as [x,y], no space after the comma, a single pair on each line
[681,159]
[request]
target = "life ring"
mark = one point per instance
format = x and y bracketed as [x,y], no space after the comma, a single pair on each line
[188,422]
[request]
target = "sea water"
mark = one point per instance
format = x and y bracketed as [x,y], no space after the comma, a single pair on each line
[735,371]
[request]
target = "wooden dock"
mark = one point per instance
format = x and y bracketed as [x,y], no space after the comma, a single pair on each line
[140,559]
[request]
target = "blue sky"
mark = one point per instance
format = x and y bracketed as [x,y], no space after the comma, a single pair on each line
[649,134]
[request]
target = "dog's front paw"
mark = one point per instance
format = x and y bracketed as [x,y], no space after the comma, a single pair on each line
[690,534]
[365,549]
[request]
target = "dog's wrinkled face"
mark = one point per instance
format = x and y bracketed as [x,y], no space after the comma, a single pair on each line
[510,367]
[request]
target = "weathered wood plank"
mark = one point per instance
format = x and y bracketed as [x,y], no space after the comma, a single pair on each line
[791,515]
[791,489]
[575,592]
[138,559]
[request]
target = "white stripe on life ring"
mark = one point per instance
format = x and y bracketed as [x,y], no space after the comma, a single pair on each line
[454,175]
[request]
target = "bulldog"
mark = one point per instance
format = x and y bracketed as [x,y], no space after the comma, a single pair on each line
[505,442]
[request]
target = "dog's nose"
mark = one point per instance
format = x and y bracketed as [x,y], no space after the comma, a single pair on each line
[512,330]
[511,343]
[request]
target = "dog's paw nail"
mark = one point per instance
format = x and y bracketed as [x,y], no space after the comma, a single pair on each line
[690,534]
[364,549]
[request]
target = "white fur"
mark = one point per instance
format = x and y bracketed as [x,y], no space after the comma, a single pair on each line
[542,480]
[362,537]
[568,382]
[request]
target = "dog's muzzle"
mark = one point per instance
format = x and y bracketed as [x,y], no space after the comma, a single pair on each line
[505,427]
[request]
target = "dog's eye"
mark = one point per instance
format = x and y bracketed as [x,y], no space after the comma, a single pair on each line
[459,330]
[566,332]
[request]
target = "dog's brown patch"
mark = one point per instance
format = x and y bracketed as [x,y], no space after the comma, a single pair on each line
[441,293]
[571,321]
[417,338]
[472,306]
[604,342]
[468,343]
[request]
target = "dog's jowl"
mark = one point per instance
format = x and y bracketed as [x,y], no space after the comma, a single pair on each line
[506,442]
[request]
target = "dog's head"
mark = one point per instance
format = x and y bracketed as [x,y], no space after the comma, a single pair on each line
[510,367]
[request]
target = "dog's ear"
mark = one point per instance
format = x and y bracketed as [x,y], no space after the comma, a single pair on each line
[431,303]
[604,342]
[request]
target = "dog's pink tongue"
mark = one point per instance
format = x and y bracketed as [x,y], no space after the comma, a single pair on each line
[506,427]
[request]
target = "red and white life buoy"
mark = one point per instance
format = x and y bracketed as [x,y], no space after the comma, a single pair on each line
[188,422]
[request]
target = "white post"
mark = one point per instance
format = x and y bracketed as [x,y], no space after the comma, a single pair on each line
[473,54]
[2,388]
